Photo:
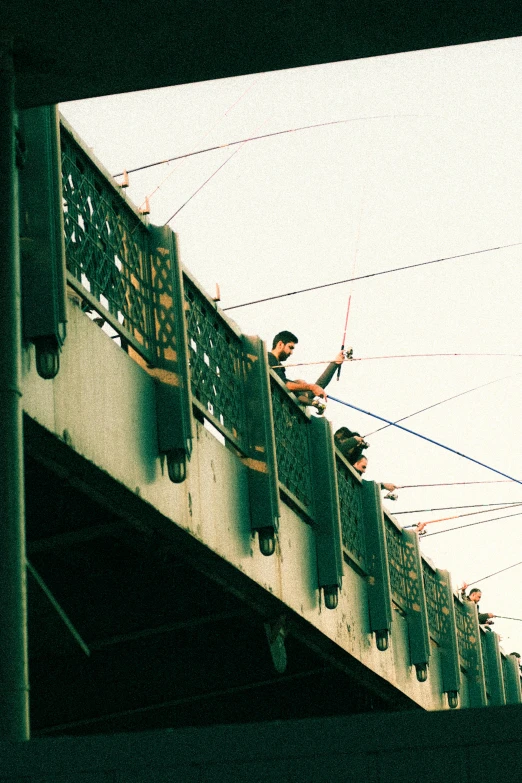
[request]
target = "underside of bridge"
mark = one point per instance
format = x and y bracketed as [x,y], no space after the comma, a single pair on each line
[72,49]
[176,635]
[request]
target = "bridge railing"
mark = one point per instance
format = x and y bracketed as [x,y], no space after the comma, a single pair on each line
[216,364]
[107,247]
[121,270]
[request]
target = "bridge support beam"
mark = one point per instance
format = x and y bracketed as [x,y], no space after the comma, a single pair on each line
[14,681]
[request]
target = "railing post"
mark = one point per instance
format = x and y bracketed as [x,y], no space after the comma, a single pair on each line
[417,612]
[476,679]
[327,519]
[449,650]
[14,681]
[379,587]
[173,397]
[495,679]
[42,238]
[263,485]
[512,680]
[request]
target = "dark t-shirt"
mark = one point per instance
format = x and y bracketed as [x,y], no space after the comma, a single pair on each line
[273,361]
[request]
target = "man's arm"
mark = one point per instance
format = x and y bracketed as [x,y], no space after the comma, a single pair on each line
[299,386]
[326,376]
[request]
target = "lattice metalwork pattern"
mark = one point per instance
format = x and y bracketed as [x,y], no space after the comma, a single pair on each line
[412,573]
[163,298]
[216,362]
[398,574]
[352,522]
[106,244]
[291,436]
[435,602]
[466,634]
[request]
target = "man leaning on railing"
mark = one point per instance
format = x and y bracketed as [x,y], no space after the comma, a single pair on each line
[283,346]
[475,594]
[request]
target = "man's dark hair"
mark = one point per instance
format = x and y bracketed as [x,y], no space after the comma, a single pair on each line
[285,337]
[344,432]
[356,455]
[475,590]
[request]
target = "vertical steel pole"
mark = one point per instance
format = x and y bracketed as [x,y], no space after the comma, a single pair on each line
[14,680]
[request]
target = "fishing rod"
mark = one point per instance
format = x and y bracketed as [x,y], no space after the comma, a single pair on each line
[454,483]
[374,274]
[503,617]
[359,222]
[429,355]
[344,334]
[173,170]
[454,397]
[202,186]
[470,524]
[483,579]
[421,525]
[406,356]
[506,503]
[264,136]
[424,437]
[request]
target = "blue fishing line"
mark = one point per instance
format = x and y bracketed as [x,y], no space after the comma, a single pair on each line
[424,437]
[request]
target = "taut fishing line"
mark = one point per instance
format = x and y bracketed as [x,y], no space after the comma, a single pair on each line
[424,437]
[454,397]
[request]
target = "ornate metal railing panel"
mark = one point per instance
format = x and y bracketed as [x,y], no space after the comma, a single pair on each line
[107,246]
[435,599]
[397,565]
[216,363]
[352,523]
[466,635]
[291,434]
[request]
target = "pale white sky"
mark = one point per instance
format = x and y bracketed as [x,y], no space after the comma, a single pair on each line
[430,167]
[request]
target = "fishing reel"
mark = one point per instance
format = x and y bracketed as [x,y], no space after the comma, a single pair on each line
[319,404]
[391,496]
[348,354]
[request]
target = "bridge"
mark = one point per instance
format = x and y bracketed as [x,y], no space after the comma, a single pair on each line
[198,552]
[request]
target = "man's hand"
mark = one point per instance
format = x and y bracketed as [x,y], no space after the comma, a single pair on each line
[388,487]
[317,391]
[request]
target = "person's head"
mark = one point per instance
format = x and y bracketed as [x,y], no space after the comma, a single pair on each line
[360,465]
[475,595]
[343,434]
[283,345]
[345,441]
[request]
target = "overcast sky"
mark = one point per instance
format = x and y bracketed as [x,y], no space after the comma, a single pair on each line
[428,167]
